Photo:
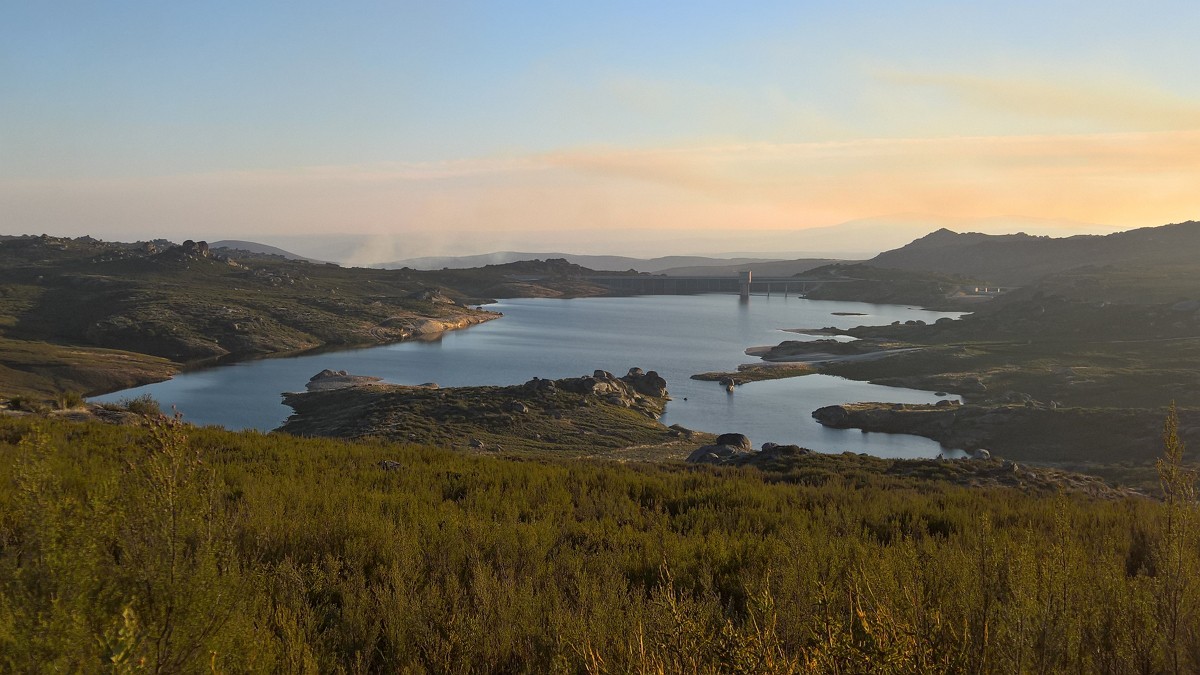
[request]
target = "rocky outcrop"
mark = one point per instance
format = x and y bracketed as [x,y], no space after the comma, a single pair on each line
[736,450]
[714,454]
[338,379]
[727,448]
[777,448]
[646,391]
[188,250]
[647,384]
[739,441]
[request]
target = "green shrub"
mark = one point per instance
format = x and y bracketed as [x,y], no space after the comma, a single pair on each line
[142,405]
[68,399]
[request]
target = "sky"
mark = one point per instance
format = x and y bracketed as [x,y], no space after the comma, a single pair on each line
[427,128]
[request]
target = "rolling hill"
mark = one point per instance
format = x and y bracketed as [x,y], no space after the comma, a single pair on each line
[1017,259]
[236,245]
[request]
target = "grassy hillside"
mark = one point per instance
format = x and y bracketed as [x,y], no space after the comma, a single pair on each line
[178,549]
[1016,259]
[1113,337]
[867,283]
[61,299]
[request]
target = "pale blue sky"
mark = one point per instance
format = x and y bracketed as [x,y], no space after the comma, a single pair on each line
[173,104]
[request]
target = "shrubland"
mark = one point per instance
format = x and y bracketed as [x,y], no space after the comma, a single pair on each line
[170,548]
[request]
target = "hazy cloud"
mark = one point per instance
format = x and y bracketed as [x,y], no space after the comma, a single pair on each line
[1128,179]
[1117,103]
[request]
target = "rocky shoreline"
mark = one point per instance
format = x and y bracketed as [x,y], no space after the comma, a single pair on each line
[1026,432]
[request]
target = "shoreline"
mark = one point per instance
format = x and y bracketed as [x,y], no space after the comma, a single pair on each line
[818,358]
[233,358]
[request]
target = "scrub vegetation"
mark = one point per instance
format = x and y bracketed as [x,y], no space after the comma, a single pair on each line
[168,548]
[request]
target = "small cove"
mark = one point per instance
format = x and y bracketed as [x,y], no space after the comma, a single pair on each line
[552,338]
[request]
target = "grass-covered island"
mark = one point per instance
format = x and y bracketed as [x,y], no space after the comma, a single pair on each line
[168,548]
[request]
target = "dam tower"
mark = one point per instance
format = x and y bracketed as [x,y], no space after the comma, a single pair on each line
[744,284]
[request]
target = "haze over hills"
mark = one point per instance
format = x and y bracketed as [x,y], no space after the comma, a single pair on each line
[795,249]
[878,234]
[595,262]
[852,240]
[1016,259]
[770,268]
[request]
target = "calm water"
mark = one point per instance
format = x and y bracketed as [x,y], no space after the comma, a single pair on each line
[676,335]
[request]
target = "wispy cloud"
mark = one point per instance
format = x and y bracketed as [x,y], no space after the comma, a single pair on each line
[1113,102]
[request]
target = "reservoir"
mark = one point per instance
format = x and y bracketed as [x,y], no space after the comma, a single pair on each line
[677,335]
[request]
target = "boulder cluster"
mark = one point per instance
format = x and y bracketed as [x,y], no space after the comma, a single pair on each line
[730,448]
[187,251]
[605,385]
[645,391]
[195,249]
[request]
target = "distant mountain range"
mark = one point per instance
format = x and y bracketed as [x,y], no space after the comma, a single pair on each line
[1002,259]
[1016,259]
[774,268]
[595,262]
[865,237]
[852,240]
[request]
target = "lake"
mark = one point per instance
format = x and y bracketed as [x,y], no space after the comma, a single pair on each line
[677,335]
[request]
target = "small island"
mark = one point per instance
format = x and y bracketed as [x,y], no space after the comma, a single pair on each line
[598,415]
